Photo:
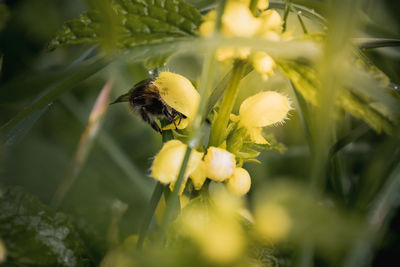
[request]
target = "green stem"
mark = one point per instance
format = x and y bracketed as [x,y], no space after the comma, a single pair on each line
[285,15]
[303,26]
[218,129]
[253,7]
[155,198]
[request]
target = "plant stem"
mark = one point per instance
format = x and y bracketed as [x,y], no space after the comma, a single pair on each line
[253,7]
[174,198]
[218,129]
[286,14]
[155,198]
[303,26]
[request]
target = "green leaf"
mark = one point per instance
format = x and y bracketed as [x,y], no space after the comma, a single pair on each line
[129,23]
[35,235]
[365,93]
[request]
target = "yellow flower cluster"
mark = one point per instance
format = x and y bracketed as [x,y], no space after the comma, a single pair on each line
[238,21]
[218,165]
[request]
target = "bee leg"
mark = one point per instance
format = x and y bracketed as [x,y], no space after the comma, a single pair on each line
[149,120]
[170,117]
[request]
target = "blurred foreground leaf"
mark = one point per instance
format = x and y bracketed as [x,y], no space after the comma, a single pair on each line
[85,143]
[48,96]
[129,23]
[35,235]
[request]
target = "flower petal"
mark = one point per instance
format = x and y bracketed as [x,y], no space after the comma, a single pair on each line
[179,93]
[264,109]
[168,161]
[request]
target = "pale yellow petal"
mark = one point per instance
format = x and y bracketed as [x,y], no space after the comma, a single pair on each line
[264,109]
[179,93]
[168,161]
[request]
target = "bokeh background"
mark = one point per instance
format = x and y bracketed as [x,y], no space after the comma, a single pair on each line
[40,157]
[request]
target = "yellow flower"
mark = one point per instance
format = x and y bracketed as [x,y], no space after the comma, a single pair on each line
[239,183]
[168,161]
[260,110]
[220,164]
[270,21]
[263,64]
[272,222]
[207,27]
[225,53]
[179,93]
[238,20]
[215,229]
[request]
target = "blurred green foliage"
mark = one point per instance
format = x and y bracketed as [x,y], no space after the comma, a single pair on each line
[45,138]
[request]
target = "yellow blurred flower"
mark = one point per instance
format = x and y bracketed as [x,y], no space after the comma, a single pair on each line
[239,183]
[219,163]
[272,222]
[238,20]
[3,252]
[208,25]
[270,21]
[263,64]
[218,234]
[262,4]
[168,161]
[226,53]
[260,110]
[179,93]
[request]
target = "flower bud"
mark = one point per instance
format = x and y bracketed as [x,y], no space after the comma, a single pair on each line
[219,164]
[239,183]
[262,4]
[168,162]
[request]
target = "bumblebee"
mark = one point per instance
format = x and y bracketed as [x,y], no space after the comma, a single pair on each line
[145,99]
